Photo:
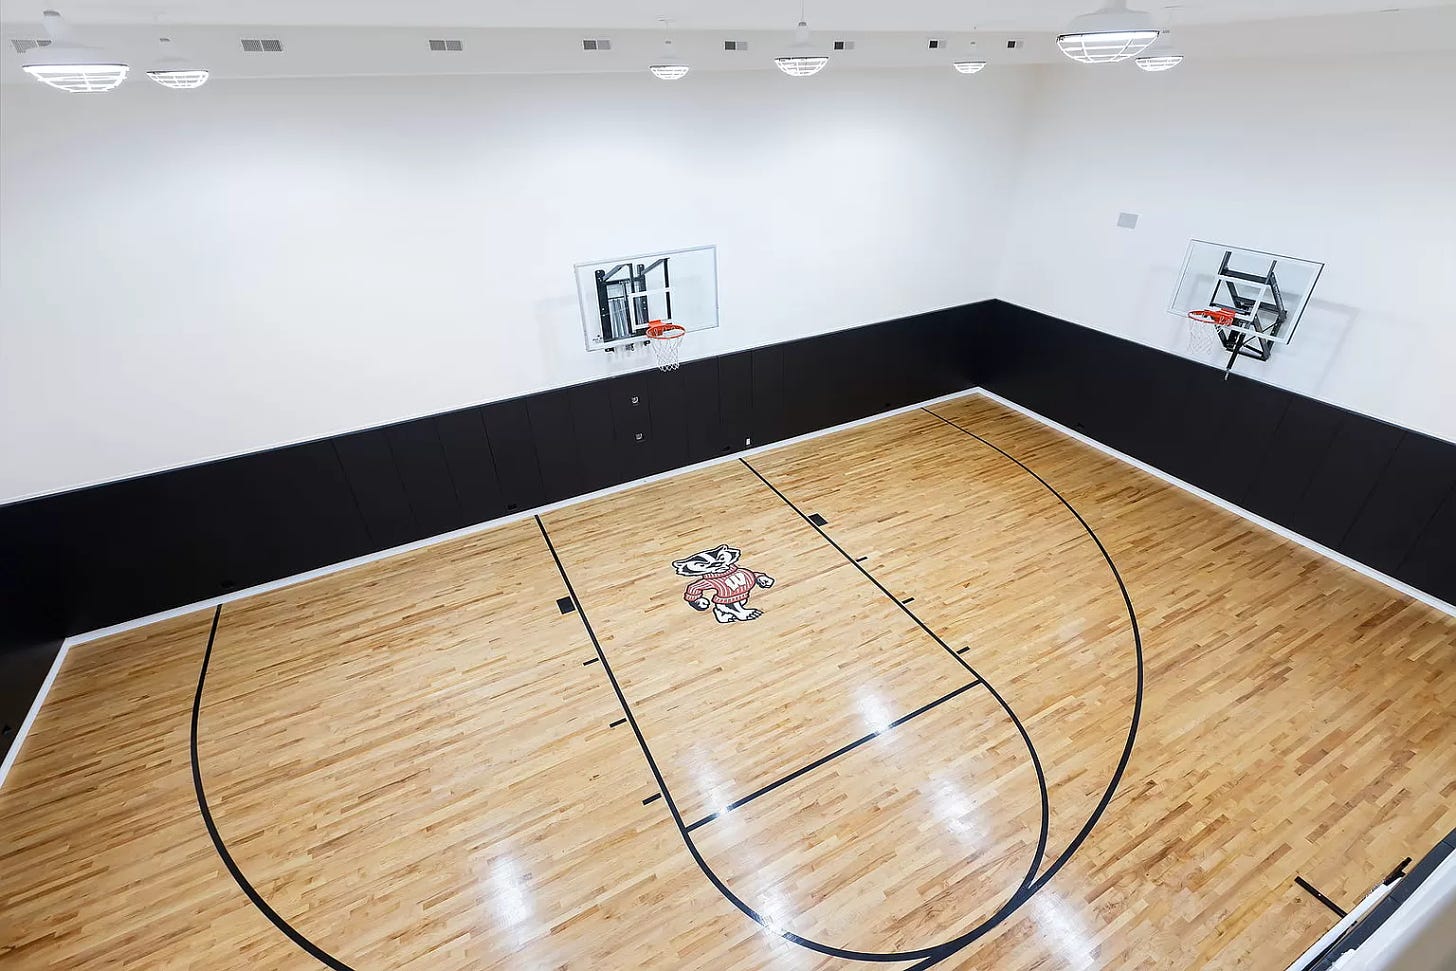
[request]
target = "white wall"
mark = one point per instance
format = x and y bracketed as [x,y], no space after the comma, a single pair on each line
[1351,162]
[185,275]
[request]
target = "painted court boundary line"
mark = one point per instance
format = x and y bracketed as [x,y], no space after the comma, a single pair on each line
[1399,586]
[825,759]
[926,956]
[323,571]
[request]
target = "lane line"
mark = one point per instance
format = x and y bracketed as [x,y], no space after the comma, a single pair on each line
[842,750]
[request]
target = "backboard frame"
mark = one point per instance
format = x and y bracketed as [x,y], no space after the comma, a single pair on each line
[632,300]
[1281,330]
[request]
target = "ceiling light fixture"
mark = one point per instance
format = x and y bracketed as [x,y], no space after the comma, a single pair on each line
[1161,56]
[69,66]
[969,67]
[1113,33]
[174,72]
[670,68]
[802,63]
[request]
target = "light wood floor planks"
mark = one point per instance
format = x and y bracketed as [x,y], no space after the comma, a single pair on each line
[423,763]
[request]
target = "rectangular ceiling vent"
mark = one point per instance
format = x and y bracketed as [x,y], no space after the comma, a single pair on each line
[935,44]
[447,45]
[1012,45]
[735,45]
[844,45]
[599,44]
[262,46]
[23,45]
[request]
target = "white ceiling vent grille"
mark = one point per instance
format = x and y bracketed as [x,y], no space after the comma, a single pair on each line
[598,44]
[735,45]
[22,45]
[262,46]
[447,45]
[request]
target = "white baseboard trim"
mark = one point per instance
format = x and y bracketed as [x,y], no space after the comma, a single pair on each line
[491,524]
[77,639]
[69,642]
[1239,511]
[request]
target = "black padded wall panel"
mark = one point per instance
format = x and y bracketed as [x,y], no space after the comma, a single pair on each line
[1373,491]
[513,446]
[425,474]
[1403,502]
[553,431]
[86,559]
[472,466]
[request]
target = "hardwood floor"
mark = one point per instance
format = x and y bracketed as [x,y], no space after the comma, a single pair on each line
[946,727]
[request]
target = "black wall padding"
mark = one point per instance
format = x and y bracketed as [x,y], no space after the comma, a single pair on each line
[1378,493]
[86,559]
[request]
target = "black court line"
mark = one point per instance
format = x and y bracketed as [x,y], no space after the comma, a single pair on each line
[222,851]
[592,661]
[842,750]
[614,724]
[962,650]
[1137,642]
[937,952]
[652,798]
[1028,886]
[1320,897]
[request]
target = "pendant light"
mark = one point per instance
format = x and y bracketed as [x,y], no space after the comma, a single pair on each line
[1164,55]
[802,63]
[174,72]
[670,68]
[69,66]
[1113,33]
[969,67]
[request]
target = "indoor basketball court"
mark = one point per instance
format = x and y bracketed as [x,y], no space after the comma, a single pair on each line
[888,558]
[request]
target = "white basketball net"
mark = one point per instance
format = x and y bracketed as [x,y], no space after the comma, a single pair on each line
[666,348]
[1203,341]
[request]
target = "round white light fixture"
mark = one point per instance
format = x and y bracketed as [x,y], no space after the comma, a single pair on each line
[1113,33]
[670,68]
[802,62]
[801,65]
[1162,56]
[969,67]
[173,72]
[69,66]
[1163,62]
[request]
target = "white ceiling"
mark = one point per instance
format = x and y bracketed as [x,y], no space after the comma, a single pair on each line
[843,15]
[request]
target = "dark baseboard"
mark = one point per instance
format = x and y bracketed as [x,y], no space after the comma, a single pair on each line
[1376,492]
[86,559]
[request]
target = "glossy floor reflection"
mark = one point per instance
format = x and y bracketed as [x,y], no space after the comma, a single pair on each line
[918,751]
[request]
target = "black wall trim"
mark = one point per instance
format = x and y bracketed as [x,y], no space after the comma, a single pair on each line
[1376,492]
[86,559]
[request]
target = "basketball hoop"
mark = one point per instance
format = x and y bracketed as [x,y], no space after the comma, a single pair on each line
[666,339]
[1203,330]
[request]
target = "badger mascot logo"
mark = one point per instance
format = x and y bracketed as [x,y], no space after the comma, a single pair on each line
[719,582]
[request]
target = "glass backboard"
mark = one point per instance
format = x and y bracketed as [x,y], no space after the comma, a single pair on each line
[620,297]
[1267,293]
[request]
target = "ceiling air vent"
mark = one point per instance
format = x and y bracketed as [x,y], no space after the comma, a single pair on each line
[1012,45]
[447,45]
[23,45]
[735,45]
[934,44]
[600,44]
[844,45]
[260,46]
